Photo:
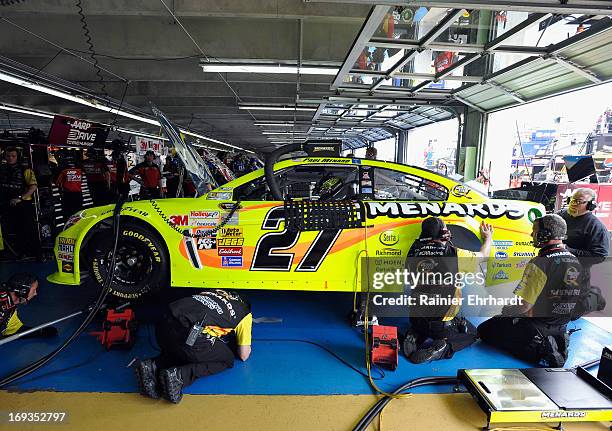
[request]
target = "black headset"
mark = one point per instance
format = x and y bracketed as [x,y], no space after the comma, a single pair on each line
[591,205]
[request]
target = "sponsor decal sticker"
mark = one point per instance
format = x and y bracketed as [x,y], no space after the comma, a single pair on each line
[523,254]
[461,191]
[502,244]
[389,252]
[425,209]
[500,275]
[524,243]
[68,267]
[231,261]
[501,265]
[563,414]
[389,238]
[179,220]
[521,264]
[230,232]
[208,243]
[229,251]
[229,242]
[69,241]
[326,160]
[65,256]
[203,218]
[501,255]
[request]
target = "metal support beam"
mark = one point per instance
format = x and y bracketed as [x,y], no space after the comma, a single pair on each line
[369,27]
[436,31]
[564,7]
[580,70]
[463,62]
[471,105]
[531,20]
[406,75]
[506,91]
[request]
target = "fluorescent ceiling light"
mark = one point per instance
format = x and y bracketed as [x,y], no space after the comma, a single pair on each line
[282,124]
[284,133]
[276,108]
[95,104]
[261,68]
[25,111]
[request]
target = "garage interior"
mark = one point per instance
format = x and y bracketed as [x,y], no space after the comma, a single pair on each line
[252,76]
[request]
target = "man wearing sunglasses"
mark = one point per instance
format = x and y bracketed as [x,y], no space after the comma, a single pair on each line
[587,238]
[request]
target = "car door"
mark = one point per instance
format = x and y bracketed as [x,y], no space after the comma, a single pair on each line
[258,250]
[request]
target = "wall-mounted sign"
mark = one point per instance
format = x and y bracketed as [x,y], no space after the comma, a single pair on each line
[145,144]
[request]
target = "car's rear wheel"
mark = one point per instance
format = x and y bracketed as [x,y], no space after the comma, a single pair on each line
[141,260]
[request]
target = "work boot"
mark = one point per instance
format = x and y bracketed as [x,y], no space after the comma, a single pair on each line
[437,350]
[409,345]
[552,357]
[171,382]
[146,375]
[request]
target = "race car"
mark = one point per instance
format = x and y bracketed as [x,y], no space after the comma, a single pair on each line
[299,224]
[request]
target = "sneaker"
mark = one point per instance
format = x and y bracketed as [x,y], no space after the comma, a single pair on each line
[146,375]
[552,356]
[410,344]
[171,382]
[437,350]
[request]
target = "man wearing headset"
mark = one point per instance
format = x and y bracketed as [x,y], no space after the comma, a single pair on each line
[549,294]
[448,332]
[20,289]
[587,236]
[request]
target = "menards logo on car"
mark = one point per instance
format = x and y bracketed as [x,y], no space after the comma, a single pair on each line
[424,209]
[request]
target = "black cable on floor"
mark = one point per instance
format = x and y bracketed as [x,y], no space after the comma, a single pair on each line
[328,350]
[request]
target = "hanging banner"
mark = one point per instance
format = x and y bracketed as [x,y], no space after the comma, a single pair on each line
[145,144]
[66,131]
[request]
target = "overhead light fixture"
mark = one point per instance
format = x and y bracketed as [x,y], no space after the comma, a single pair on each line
[277,108]
[284,133]
[25,111]
[287,124]
[93,103]
[268,69]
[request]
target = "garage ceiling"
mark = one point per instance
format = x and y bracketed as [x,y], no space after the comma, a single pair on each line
[167,52]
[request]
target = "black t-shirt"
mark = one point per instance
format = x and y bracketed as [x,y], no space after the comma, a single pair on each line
[222,312]
[587,238]
[554,281]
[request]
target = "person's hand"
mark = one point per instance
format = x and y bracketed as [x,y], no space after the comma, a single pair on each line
[486,230]
[15,202]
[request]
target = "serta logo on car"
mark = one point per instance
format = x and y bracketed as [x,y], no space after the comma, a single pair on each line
[501,255]
[389,238]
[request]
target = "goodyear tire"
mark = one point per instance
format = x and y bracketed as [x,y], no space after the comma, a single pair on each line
[141,260]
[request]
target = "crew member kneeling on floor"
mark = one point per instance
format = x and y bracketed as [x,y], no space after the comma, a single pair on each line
[440,323]
[20,289]
[196,340]
[553,291]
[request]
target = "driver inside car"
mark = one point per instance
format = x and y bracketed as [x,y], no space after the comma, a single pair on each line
[328,186]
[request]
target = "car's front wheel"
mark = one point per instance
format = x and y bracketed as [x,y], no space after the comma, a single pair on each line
[141,260]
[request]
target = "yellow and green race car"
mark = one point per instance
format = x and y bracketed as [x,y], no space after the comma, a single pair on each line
[333,212]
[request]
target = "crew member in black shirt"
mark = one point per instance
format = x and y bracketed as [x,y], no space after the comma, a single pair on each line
[213,318]
[587,237]
[551,288]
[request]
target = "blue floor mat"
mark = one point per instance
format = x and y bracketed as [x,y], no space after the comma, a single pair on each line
[275,367]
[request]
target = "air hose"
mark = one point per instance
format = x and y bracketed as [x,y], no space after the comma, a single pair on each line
[94,308]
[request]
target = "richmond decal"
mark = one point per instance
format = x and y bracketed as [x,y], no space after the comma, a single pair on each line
[424,209]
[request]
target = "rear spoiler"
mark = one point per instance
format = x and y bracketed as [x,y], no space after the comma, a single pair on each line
[542,193]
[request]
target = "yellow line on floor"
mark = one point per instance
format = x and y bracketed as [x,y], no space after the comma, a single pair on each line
[119,411]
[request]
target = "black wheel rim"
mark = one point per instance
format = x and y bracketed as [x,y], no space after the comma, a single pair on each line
[133,262]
